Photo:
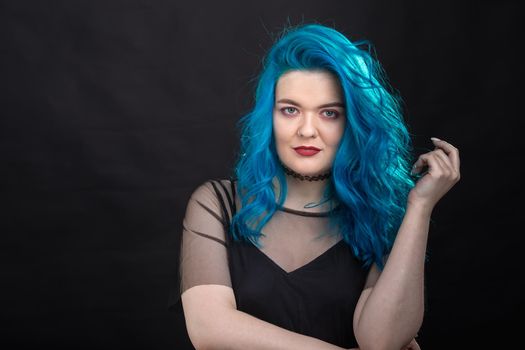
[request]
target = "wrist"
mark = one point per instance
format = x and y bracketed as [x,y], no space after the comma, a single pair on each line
[420,207]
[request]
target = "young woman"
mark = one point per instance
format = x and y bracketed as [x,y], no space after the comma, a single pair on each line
[318,240]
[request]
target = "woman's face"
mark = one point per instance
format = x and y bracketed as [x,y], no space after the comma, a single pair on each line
[308,112]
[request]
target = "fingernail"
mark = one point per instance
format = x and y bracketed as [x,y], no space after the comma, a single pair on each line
[435,139]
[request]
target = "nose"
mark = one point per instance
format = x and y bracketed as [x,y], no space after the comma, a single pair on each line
[307,127]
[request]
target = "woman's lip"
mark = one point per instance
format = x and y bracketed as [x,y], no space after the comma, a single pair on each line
[307,147]
[306,151]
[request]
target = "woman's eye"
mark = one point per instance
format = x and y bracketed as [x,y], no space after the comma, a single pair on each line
[331,114]
[286,110]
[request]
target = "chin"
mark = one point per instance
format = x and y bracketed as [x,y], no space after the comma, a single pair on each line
[305,166]
[307,170]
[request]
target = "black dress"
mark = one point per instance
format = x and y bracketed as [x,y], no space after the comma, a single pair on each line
[299,280]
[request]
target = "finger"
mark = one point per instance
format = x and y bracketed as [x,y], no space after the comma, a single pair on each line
[418,165]
[443,156]
[442,170]
[450,150]
[421,162]
[413,345]
[409,345]
[437,168]
[429,160]
[450,170]
[444,162]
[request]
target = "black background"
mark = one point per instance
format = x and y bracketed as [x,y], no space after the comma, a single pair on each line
[112,112]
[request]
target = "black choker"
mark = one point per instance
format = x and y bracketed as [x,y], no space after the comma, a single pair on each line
[306,177]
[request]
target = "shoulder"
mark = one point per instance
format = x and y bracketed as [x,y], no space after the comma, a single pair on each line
[218,188]
[218,193]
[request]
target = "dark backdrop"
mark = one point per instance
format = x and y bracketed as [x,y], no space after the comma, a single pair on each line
[112,112]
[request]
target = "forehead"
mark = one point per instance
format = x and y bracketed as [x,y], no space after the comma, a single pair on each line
[308,84]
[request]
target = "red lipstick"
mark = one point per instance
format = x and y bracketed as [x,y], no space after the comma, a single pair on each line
[306,150]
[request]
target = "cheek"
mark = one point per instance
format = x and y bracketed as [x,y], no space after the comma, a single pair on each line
[279,132]
[335,134]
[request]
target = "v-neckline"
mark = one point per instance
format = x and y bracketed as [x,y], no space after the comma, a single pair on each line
[302,267]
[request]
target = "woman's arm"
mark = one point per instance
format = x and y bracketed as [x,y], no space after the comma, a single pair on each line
[208,301]
[213,322]
[390,310]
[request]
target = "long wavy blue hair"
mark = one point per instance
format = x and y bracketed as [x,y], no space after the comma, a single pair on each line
[371,170]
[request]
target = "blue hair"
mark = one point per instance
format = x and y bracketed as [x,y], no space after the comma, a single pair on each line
[371,170]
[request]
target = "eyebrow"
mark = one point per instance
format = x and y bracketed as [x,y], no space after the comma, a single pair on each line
[331,104]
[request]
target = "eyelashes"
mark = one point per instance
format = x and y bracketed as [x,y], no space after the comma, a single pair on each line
[335,114]
[332,113]
[285,109]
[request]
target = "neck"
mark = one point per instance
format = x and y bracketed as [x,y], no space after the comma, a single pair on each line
[304,195]
[318,177]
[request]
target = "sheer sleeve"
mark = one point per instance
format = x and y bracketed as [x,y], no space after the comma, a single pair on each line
[203,254]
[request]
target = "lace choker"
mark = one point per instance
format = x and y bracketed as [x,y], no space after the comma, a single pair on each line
[306,177]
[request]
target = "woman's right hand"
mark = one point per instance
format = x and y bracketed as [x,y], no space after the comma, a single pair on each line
[413,345]
[442,174]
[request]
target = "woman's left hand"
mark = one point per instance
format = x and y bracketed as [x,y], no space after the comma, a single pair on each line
[442,174]
[413,345]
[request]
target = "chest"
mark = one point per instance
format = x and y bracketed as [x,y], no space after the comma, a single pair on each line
[330,282]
